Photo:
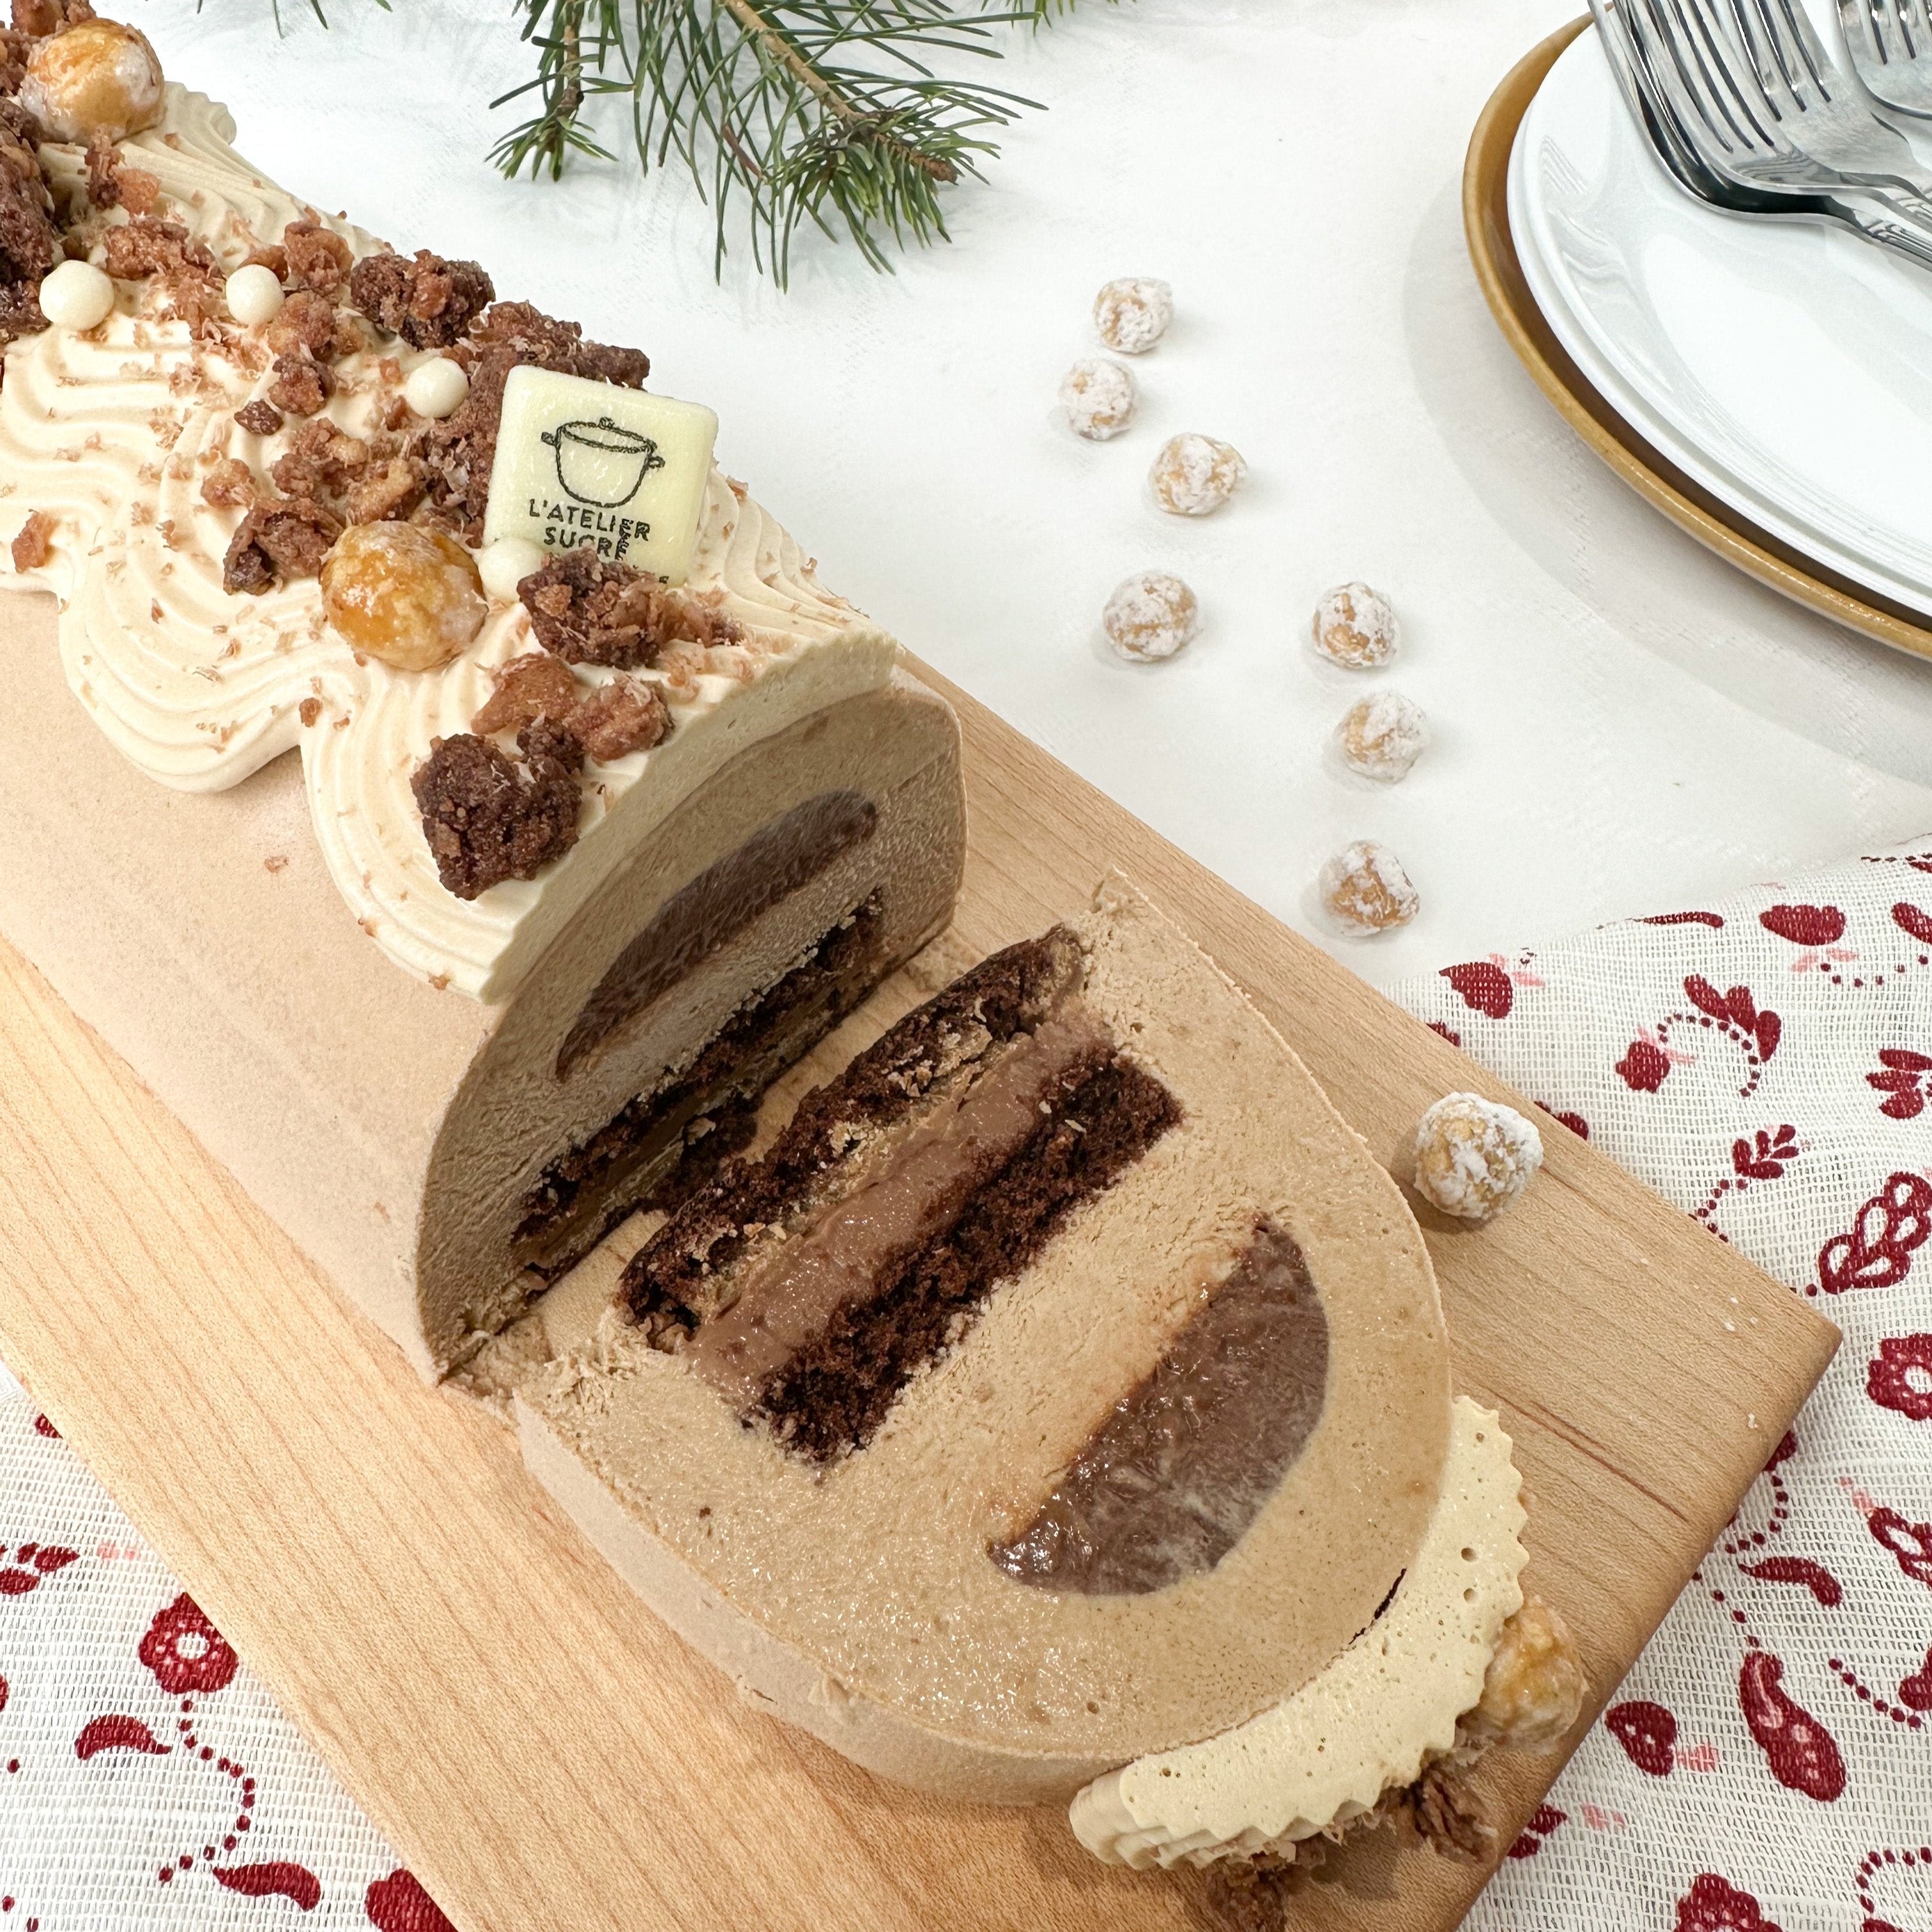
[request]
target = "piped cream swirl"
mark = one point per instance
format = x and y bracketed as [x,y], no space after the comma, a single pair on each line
[111,434]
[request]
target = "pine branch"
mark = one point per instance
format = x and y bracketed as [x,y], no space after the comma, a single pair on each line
[825,112]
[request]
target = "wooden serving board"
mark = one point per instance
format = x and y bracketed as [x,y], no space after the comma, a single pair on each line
[542,1752]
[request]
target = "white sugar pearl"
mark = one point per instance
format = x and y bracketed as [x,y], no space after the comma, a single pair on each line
[505,563]
[77,295]
[436,389]
[253,294]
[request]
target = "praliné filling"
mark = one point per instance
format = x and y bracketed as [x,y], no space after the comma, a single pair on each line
[811,1287]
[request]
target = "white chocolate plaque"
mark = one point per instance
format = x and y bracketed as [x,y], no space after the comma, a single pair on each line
[579,462]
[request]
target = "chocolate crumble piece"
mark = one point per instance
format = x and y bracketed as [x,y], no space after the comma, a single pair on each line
[33,545]
[259,417]
[534,685]
[487,819]
[588,611]
[428,301]
[271,255]
[460,449]
[321,461]
[300,387]
[29,243]
[391,492]
[618,717]
[145,247]
[40,18]
[318,257]
[284,537]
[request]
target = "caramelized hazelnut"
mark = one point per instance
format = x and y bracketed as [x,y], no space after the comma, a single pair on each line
[97,77]
[408,595]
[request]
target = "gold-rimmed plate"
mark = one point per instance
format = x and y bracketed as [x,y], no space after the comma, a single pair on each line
[1654,478]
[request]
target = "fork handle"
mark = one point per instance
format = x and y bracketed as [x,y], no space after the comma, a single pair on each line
[1903,222]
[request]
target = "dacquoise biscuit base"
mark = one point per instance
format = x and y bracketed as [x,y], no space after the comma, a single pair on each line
[241,948]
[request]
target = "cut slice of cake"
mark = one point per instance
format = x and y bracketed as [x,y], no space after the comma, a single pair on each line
[1065,1384]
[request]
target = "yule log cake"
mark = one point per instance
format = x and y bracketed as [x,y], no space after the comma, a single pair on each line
[1058,1403]
[1061,1404]
[604,808]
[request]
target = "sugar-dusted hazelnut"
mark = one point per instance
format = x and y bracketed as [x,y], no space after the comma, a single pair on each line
[253,294]
[1193,475]
[1473,1157]
[409,595]
[1382,736]
[76,295]
[1132,314]
[1355,625]
[1534,1690]
[506,562]
[1364,890]
[1098,397]
[97,77]
[436,389]
[1150,615]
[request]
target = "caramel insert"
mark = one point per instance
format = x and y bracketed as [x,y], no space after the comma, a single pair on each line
[715,908]
[1184,1464]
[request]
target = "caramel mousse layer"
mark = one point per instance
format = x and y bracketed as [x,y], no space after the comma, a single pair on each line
[1185,1461]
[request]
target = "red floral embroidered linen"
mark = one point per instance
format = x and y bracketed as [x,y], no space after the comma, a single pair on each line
[1765,1062]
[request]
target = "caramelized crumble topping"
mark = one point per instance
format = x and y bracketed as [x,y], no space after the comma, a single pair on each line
[301,387]
[277,540]
[428,301]
[461,449]
[39,18]
[534,685]
[111,183]
[146,247]
[588,611]
[259,417]
[618,717]
[34,544]
[271,255]
[318,258]
[394,490]
[1448,1814]
[488,819]
[230,485]
[610,720]
[321,460]
[304,325]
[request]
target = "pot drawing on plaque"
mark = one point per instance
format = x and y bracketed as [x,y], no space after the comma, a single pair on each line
[601,462]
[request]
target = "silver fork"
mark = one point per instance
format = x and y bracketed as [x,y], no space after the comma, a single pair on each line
[1725,135]
[1889,42]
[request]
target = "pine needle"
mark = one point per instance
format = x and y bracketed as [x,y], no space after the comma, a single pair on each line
[785,113]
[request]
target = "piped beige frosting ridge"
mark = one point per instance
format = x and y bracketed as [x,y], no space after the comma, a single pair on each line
[111,432]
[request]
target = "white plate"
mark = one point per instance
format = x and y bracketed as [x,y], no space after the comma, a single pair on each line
[1788,369]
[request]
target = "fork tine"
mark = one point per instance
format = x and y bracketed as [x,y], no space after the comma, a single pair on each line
[1913,30]
[1730,88]
[1868,18]
[1708,121]
[1632,60]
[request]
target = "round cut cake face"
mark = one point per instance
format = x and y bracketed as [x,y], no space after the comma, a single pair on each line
[1008,1564]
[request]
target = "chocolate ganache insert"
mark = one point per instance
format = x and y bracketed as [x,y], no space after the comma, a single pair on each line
[1172,1480]
[810,1287]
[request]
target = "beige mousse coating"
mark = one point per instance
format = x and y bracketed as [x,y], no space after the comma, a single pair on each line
[98,77]
[405,594]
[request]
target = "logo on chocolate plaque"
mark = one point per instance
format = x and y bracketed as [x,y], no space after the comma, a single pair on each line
[579,462]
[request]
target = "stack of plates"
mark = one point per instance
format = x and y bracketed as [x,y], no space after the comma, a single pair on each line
[1785,368]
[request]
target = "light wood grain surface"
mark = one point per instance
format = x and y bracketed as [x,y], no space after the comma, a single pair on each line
[548,1758]
[1687,503]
